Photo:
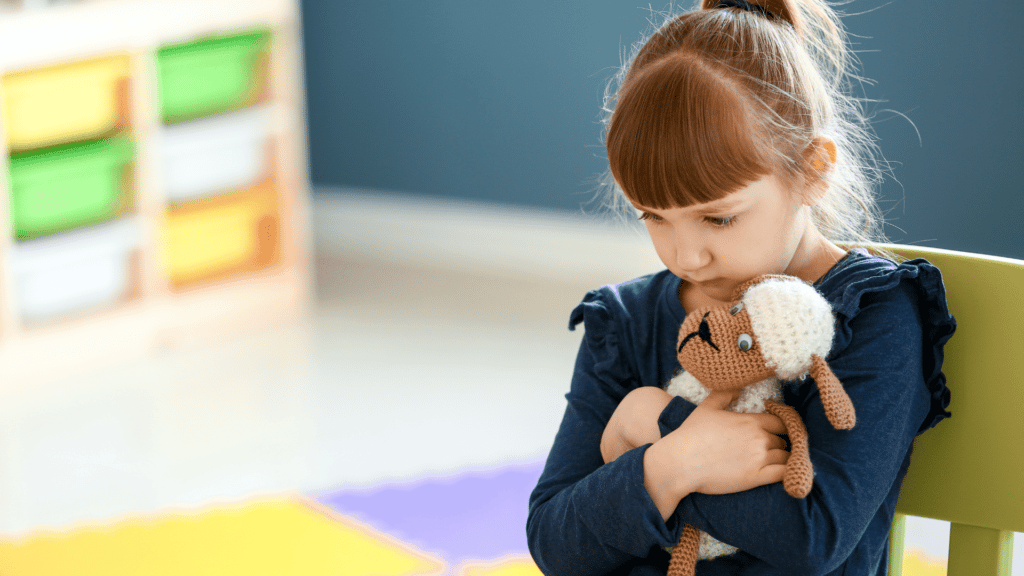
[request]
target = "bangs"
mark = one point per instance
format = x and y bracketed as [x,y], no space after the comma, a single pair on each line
[681,134]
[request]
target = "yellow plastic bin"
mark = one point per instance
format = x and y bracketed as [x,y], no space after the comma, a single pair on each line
[65,103]
[221,237]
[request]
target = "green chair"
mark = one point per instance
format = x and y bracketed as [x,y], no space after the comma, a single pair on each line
[969,470]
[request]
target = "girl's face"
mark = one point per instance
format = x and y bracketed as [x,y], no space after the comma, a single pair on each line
[759,229]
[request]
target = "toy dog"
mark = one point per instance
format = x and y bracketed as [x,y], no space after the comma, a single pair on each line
[780,328]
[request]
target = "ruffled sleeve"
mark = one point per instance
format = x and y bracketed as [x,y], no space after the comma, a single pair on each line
[588,517]
[602,342]
[593,311]
[880,275]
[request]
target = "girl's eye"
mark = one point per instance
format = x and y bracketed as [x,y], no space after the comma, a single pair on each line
[720,222]
[651,217]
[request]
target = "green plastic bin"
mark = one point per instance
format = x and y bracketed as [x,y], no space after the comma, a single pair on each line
[56,189]
[208,76]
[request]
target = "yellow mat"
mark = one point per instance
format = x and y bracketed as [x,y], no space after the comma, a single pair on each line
[278,537]
[521,566]
[273,537]
[917,563]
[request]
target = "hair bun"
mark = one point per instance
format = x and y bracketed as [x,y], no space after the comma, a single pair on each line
[744,5]
[770,9]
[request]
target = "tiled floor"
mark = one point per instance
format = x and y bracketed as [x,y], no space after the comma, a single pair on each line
[411,381]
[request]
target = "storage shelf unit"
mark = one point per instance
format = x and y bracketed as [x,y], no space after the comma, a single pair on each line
[148,217]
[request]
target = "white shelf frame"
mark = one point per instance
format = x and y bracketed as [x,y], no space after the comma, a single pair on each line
[158,317]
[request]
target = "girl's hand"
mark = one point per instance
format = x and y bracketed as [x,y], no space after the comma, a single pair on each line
[715,452]
[722,452]
[634,422]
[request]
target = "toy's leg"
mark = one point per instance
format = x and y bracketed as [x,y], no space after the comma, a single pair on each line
[684,554]
[799,474]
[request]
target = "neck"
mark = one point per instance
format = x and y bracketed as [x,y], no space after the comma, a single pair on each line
[815,255]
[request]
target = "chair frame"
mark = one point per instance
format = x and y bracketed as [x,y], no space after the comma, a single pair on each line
[962,471]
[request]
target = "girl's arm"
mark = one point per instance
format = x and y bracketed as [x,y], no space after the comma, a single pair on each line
[713,452]
[589,517]
[585,516]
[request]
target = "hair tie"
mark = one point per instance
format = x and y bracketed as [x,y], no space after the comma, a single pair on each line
[744,5]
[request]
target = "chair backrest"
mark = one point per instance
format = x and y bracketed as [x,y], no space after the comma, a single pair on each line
[969,470]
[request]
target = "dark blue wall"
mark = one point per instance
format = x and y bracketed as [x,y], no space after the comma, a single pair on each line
[500,101]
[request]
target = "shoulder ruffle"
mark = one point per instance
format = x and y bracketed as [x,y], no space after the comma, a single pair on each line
[871,275]
[601,339]
[593,312]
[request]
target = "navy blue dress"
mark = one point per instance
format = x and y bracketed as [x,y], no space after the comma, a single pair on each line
[591,518]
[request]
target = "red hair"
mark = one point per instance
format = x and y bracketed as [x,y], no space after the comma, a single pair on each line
[718,98]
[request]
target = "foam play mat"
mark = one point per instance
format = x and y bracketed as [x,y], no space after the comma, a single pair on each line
[471,524]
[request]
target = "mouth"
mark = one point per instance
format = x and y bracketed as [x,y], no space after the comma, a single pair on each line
[711,283]
[703,332]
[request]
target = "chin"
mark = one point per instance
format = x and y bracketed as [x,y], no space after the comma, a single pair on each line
[720,290]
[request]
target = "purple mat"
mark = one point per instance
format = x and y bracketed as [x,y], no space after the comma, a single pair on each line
[474,516]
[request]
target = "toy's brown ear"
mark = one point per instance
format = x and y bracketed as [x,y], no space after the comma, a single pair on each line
[738,293]
[838,407]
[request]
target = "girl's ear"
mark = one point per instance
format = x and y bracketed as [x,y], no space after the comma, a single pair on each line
[820,159]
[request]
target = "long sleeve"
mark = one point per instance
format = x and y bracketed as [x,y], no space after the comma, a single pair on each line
[587,517]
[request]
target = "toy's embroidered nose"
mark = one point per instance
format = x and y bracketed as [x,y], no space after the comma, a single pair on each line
[704,331]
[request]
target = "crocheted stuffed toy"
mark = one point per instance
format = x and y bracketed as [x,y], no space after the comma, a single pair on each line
[780,328]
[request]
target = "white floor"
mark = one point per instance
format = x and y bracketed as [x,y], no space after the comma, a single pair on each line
[433,349]
[439,344]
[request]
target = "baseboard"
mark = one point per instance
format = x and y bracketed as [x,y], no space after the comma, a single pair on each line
[486,238]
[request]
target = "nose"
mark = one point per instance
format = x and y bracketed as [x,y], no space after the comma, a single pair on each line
[691,254]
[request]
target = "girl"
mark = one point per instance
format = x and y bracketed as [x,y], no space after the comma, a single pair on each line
[731,135]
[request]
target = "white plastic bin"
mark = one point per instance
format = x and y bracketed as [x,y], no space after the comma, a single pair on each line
[74,271]
[216,154]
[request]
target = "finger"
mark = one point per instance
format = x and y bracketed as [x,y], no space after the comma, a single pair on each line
[718,400]
[771,423]
[776,442]
[777,457]
[771,474]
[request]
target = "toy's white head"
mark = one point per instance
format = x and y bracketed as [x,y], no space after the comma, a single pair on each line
[792,322]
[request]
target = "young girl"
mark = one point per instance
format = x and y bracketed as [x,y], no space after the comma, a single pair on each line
[732,137]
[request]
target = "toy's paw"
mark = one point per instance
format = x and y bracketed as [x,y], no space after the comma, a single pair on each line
[798,479]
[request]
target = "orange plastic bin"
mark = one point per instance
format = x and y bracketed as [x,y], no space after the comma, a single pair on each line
[221,237]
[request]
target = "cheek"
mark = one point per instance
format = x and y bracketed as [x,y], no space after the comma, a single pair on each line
[743,251]
[765,248]
[664,245]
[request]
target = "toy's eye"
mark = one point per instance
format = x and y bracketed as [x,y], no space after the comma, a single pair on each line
[745,342]
[736,308]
